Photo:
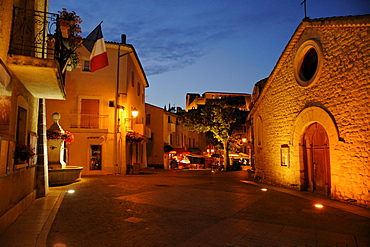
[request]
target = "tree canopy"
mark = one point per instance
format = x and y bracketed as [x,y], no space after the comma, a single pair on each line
[217,118]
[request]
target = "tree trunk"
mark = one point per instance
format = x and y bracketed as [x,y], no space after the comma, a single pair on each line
[226,155]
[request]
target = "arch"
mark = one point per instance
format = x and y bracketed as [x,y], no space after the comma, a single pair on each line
[259,130]
[303,121]
[312,115]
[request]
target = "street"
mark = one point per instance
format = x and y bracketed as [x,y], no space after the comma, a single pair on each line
[198,208]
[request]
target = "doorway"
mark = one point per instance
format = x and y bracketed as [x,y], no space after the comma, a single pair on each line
[316,160]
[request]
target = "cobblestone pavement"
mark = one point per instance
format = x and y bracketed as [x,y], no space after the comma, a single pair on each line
[198,208]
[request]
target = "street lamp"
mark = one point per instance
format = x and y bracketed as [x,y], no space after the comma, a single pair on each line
[134,114]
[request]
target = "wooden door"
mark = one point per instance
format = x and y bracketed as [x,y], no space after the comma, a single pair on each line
[316,160]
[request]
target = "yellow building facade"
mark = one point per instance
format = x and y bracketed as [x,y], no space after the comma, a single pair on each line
[30,72]
[310,117]
[98,111]
[168,132]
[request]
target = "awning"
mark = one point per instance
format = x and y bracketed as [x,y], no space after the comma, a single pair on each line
[196,156]
[216,156]
[239,155]
[179,151]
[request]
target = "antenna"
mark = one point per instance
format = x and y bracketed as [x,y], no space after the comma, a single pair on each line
[305,10]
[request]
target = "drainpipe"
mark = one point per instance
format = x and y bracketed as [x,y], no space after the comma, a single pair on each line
[118,163]
[117,167]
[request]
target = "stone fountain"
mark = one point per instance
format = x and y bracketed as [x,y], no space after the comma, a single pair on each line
[59,172]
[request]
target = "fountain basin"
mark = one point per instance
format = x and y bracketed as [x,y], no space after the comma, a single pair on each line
[67,175]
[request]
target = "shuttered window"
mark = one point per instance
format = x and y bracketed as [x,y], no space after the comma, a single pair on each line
[89,113]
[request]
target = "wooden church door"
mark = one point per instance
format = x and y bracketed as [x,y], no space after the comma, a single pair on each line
[316,160]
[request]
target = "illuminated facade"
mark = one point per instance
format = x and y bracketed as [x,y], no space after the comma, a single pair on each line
[193,101]
[30,72]
[310,118]
[167,131]
[98,111]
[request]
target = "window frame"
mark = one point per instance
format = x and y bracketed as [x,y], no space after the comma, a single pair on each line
[299,58]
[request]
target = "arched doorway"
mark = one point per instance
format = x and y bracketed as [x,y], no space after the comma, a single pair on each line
[316,160]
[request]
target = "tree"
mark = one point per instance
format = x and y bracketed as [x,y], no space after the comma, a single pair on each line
[214,117]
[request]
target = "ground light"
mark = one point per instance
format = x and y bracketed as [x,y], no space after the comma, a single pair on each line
[264,189]
[70,191]
[319,206]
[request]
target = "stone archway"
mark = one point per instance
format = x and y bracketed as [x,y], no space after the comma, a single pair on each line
[305,126]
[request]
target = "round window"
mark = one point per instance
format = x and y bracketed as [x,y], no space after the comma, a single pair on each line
[307,63]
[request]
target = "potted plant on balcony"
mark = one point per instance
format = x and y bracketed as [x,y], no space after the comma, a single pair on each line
[22,154]
[133,136]
[70,29]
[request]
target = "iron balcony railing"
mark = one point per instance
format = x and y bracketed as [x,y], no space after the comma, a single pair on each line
[37,34]
[88,121]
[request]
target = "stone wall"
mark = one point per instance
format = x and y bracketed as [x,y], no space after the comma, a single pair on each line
[341,90]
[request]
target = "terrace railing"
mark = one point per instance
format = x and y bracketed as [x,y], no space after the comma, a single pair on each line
[37,34]
[88,121]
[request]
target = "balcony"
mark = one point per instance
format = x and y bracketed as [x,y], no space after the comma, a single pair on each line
[89,121]
[143,130]
[36,53]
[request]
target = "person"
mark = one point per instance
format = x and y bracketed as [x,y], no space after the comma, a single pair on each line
[173,164]
[220,166]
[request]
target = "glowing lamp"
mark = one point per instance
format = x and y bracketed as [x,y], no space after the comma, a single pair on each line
[319,206]
[134,112]
[244,140]
[264,189]
[71,191]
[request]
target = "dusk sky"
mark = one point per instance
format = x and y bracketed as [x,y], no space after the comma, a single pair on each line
[197,46]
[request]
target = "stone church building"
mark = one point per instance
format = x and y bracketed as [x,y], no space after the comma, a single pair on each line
[310,119]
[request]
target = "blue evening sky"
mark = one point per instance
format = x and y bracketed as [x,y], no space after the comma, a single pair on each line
[195,46]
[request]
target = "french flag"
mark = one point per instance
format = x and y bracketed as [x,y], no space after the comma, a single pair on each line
[94,43]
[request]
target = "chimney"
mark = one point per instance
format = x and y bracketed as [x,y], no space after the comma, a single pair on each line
[123,39]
